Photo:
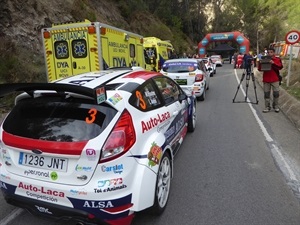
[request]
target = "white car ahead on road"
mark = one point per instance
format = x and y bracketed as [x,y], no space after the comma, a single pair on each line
[189,73]
[217,59]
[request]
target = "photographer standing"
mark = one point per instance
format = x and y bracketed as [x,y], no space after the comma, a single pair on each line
[271,81]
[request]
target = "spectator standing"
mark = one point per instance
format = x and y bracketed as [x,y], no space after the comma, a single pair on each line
[271,81]
[240,60]
[235,59]
[254,59]
[184,55]
[259,57]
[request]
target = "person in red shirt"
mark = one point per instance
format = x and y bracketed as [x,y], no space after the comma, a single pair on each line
[271,81]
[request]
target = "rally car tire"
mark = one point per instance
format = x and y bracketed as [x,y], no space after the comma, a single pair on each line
[192,119]
[163,184]
[202,97]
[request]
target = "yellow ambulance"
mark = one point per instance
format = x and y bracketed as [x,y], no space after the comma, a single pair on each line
[157,51]
[75,48]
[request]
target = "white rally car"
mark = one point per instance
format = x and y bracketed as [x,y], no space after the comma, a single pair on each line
[94,147]
[189,73]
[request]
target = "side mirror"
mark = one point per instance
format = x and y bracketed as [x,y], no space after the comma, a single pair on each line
[182,97]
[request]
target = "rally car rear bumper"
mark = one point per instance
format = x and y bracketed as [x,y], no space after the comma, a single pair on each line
[60,213]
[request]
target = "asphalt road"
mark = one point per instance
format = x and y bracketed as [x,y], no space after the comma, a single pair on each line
[239,167]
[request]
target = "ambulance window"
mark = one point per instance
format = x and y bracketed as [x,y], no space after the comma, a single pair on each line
[132,50]
[61,49]
[79,48]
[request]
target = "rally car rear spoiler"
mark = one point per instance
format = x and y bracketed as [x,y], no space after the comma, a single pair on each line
[98,94]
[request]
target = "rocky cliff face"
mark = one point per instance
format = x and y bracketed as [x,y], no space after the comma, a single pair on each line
[22,21]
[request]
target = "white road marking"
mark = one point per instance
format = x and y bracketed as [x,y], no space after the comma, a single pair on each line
[274,148]
[10,217]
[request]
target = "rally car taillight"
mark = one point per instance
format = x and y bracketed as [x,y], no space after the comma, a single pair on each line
[199,77]
[120,139]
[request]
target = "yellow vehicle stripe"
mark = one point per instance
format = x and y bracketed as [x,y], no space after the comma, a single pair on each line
[70,29]
[114,31]
[49,68]
[96,53]
[48,61]
[78,28]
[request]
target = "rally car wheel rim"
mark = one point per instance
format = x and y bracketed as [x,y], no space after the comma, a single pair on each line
[194,116]
[163,184]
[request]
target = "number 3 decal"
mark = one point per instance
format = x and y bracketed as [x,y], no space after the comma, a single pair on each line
[140,97]
[92,116]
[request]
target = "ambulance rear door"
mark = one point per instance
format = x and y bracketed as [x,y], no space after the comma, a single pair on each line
[104,52]
[140,56]
[79,49]
[70,47]
[133,58]
[57,53]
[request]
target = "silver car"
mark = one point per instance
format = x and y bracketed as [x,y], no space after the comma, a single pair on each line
[210,66]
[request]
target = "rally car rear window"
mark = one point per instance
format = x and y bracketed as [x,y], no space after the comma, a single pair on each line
[180,67]
[54,119]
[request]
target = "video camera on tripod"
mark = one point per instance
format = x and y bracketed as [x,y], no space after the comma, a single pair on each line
[248,73]
[249,61]
[248,65]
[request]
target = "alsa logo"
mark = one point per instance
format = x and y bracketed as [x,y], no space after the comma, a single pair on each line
[98,205]
[41,190]
[154,121]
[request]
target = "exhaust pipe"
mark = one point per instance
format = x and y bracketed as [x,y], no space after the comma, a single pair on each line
[79,223]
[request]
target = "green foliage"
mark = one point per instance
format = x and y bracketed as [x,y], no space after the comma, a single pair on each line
[91,16]
[81,10]
[9,63]
[16,65]
[294,91]
[127,7]
[294,79]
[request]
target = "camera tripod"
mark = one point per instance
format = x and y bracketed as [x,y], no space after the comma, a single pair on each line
[248,73]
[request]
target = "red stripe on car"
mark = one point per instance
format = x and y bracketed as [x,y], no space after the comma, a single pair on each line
[67,148]
[142,74]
